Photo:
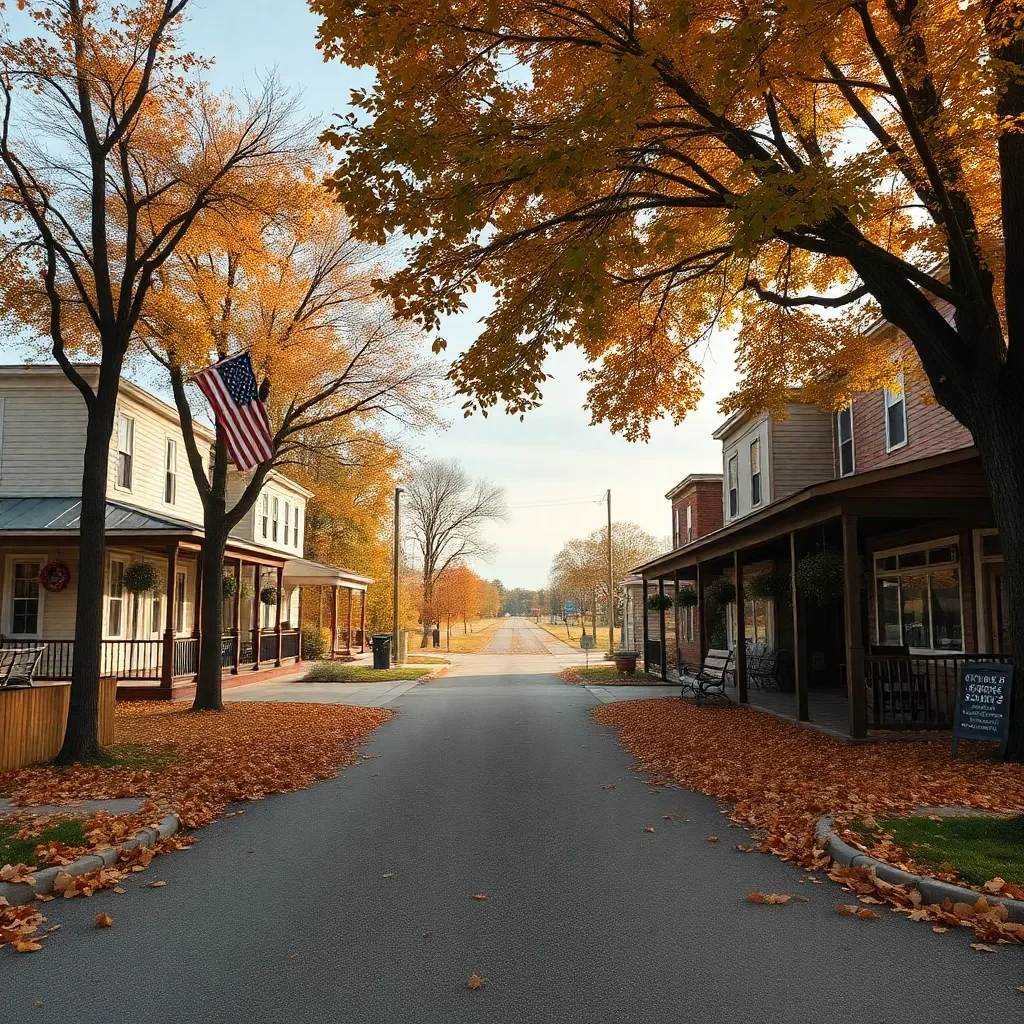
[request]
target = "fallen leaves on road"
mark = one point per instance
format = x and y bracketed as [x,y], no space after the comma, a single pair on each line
[648,828]
[712,839]
[156,884]
[475,982]
[480,896]
[773,898]
[981,947]
[104,921]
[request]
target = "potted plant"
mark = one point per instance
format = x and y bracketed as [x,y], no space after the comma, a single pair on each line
[659,603]
[718,593]
[227,586]
[625,662]
[820,576]
[141,578]
[268,594]
[686,598]
[770,585]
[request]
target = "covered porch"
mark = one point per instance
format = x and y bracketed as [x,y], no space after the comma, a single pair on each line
[922,590]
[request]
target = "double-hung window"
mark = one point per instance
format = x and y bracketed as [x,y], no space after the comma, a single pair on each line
[755,473]
[895,417]
[295,528]
[125,451]
[287,522]
[844,431]
[675,528]
[265,515]
[734,486]
[170,471]
[25,599]
[115,598]
[273,525]
[179,602]
[689,523]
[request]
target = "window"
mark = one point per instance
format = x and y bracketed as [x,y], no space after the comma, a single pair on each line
[25,599]
[734,492]
[844,429]
[918,598]
[125,451]
[295,528]
[895,417]
[115,598]
[179,602]
[154,615]
[689,523]
[170,470]
[756,621]
[755,473]
[265,515]
[274,524]
[287,522]
[675,528]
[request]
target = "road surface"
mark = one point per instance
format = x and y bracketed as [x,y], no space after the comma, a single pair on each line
[354,901]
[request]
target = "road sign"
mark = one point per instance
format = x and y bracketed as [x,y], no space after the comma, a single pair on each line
[570,608]
[587,642]
[983,704]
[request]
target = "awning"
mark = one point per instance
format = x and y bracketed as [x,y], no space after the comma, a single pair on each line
[303,572]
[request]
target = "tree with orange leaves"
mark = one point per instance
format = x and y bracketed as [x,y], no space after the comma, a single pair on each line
[110,151]
[628,177]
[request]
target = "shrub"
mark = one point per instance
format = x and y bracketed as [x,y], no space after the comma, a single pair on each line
[141,578]
[820,576]
[718,593]
[770,586]
[315,643]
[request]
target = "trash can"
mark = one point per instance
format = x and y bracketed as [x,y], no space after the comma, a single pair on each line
[381,643]
[437,637]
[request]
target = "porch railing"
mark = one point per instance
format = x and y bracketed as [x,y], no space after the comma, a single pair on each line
[915,691]
[268,645]
[186,655]
[290,643]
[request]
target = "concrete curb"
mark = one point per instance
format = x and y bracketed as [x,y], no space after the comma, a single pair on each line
[20,893]
[931,889]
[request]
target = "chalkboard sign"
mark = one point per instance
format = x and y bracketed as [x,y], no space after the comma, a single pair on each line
[983,704]
[587,642]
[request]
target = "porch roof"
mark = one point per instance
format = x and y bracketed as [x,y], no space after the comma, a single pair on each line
[63,515]
[864,493]
[304,572]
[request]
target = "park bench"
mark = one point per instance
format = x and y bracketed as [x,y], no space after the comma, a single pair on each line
[762,666]
[708,683]
[18,665]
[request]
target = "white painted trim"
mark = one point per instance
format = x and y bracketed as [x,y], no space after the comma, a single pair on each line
[885,409]
[1,438]
[117,451]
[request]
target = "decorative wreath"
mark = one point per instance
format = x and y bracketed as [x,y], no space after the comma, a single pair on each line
[55,576]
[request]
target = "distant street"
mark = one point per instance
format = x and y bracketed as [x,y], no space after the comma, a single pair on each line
[356,900]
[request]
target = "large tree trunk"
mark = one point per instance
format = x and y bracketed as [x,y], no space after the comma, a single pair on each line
[81,739]
[209,692]
[998,429]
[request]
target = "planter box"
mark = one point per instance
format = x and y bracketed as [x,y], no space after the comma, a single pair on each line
[625,664]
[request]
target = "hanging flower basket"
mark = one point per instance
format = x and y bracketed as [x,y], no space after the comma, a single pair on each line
[686,598]
[770,586]
[228,587]
[820,577]
[141,578]
[268,595]
[659,603]
[718,593]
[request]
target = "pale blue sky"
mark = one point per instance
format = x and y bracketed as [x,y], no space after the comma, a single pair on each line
[553,456]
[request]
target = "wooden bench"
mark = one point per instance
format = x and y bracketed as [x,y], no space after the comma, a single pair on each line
[18,665]
[708,683]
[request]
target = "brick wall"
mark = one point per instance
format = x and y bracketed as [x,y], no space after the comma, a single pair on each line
[931,429]
[705,500]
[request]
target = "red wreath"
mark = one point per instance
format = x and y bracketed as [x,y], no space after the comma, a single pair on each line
[55,576]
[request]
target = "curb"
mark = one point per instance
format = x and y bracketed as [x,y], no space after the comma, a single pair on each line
[932,889]
[19,893]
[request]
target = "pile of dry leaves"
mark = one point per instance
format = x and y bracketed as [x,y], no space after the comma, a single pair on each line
[780,778]
[207,760]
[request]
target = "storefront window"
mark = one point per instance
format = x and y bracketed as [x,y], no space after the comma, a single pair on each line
[889,613]
[947,629]
[915,610]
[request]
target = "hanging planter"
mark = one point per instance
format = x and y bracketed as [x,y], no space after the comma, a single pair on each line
[141,578]
[228,586]
[718,593]
[820,577]
[770,586]
[686,598]
[268,595]
[659,603]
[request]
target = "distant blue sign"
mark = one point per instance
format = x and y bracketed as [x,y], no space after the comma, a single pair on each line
[570,608]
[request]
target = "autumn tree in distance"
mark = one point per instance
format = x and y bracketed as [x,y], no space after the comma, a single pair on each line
[627,177]
[110,149]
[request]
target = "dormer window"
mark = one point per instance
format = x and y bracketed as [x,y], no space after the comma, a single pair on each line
[734,486]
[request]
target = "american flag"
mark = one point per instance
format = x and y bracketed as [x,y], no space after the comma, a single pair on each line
[230,386]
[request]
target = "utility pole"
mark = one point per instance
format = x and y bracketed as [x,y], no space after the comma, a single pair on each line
[611,580]
[394,597]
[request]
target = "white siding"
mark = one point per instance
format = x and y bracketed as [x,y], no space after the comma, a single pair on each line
[250,527]
[740,447]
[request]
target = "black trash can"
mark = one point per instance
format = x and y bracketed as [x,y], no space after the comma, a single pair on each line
[437,637]
[381,643]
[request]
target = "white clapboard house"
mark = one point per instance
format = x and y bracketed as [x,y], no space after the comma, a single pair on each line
[154,516]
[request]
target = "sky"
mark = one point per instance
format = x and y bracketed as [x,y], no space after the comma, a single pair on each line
[554,466]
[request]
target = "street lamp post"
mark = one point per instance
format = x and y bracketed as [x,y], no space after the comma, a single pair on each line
[394,595]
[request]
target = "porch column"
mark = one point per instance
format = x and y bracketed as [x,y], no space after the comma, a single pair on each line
[800,673]
[702,639]
[855,688]
[197,596]
[647,660]
[167,667]
[661,623]
[277,614]
[334,620]
[236,620]
[257,604]
[740,639]
[320,610]
[348,634]
[362,624]
[678,622]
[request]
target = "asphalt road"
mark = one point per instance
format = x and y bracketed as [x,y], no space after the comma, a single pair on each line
[353,901]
